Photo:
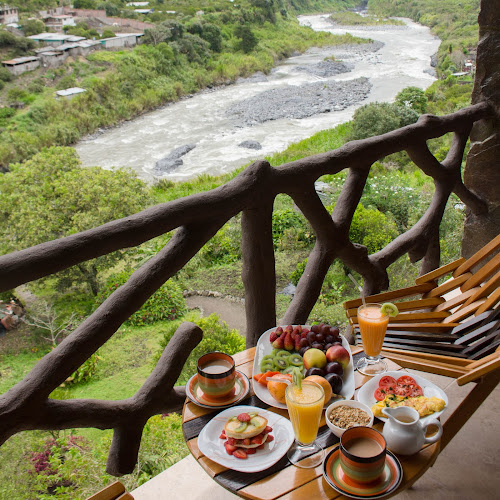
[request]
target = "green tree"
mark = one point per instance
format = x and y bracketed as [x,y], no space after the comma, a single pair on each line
[107,33]
[414,98]
[380,117]
[51,196]
[33,27]
[248,39]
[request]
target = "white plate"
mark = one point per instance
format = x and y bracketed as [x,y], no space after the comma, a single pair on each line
[264,347]
[212,446]
[365,394]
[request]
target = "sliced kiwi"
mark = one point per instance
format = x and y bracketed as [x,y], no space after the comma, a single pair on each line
[288,370]
[281,363]
[267,364]
[295,359]
[241,427]
[282,354]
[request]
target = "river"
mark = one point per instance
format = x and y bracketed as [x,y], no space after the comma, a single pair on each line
[201,120]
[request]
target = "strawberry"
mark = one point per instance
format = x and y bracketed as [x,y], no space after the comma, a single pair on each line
[279,331]
[222,435]
[261,447]
[251,451]
[256,439]
[288,343]
[279,342]
[268,429]
[273,336]
[304,333]
[231,441]
[244,417]
[230,448]
[240,453]
[246,441]
[269,438]
[288,329]
[297,343]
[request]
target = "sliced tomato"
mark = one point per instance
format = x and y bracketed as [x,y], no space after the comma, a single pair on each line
[379,394]
[403,391]
[406,380]
[417,391]
[387,381]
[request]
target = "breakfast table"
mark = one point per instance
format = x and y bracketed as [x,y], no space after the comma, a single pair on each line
[282,479]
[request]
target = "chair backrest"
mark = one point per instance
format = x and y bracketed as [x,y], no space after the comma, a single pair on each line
[114,491]
[452,328]
[472,290]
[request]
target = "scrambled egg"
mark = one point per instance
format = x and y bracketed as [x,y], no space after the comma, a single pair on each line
[424,406]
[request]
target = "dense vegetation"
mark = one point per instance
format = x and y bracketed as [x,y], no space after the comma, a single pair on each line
[49,196]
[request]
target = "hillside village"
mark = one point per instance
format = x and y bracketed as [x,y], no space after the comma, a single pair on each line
[54,46]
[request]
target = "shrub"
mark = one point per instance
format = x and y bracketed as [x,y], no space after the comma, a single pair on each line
[217,336]
[414,98]
[378,118]
[372,229]
[288,224]
[5,75]
[224,247]
[167,303]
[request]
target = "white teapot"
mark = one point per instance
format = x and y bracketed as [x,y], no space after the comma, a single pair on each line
[403,431]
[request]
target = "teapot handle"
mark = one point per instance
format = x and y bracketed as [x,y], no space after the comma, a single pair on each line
[438,434]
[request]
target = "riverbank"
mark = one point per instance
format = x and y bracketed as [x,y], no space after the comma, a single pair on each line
[395,59]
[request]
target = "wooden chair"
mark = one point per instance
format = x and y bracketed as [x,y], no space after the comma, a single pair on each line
[457,318]
[114,491]
[450,329]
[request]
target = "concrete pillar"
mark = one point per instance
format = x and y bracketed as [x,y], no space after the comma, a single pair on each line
[482,170]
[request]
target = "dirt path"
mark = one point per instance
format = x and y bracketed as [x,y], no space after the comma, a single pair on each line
[233,313]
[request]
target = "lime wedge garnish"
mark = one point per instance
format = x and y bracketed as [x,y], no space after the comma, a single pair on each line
[297,377]
[390,309]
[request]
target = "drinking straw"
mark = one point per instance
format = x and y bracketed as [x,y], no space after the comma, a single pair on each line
[359,287]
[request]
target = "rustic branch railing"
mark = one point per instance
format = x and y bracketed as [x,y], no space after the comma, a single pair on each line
[198,218]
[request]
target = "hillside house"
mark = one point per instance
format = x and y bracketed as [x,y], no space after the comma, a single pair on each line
[55,39]
[8,15]
[21,64]
[121,40]
[52,58]
[59,22]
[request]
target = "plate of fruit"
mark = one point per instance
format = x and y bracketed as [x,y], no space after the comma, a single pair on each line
[318,351]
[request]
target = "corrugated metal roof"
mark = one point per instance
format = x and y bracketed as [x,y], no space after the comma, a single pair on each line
[21,60]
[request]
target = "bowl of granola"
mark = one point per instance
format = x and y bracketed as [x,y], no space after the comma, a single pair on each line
[342,415]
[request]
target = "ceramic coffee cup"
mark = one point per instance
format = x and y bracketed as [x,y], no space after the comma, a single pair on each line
[216,375]
[362,455]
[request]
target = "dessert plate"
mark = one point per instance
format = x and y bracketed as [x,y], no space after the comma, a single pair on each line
[264,347]
[196,395]
[212,446]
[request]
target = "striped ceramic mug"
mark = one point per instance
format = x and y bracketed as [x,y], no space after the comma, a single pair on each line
[216,375]
[362,455]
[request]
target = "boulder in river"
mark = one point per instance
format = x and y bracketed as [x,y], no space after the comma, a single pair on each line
[250,145]
[173,160]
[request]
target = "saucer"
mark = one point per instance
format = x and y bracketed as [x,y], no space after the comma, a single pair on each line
[335,477]
[197,396]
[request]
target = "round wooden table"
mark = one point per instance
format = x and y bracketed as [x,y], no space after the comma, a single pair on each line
[283,480]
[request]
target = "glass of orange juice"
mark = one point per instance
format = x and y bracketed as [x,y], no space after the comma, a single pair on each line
[305,407]
[372,322]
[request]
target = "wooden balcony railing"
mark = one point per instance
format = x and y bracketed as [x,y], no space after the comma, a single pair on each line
[197,218]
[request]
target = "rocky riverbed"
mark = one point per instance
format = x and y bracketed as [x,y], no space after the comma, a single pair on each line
[300,101]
